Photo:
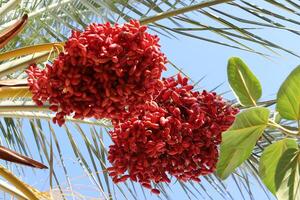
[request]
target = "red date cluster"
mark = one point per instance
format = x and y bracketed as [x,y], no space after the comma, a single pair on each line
[103,71]
[177,135]
[162,128]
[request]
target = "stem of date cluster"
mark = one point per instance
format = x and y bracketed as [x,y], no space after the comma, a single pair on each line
[262,103]
[284,130]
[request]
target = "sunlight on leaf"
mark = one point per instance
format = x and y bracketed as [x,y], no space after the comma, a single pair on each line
[31,50]
[239,140]
[270,158]
[288,96]
[243,82]
[287,175]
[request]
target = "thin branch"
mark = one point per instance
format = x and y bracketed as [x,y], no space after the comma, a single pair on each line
[172,13]
[283,129]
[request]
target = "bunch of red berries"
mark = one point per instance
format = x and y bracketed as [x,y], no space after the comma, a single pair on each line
[177,134]
[162,128]
[103,71]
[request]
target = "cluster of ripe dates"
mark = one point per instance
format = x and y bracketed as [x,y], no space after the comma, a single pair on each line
[162,128]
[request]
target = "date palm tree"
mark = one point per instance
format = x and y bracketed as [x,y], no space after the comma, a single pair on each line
[76,154]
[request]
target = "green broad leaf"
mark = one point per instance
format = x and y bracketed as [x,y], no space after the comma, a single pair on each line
[287,176]
[288,96]
[239,140]
[243,82]
[269,161]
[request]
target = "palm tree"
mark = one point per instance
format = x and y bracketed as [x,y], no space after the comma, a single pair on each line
[28,129]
